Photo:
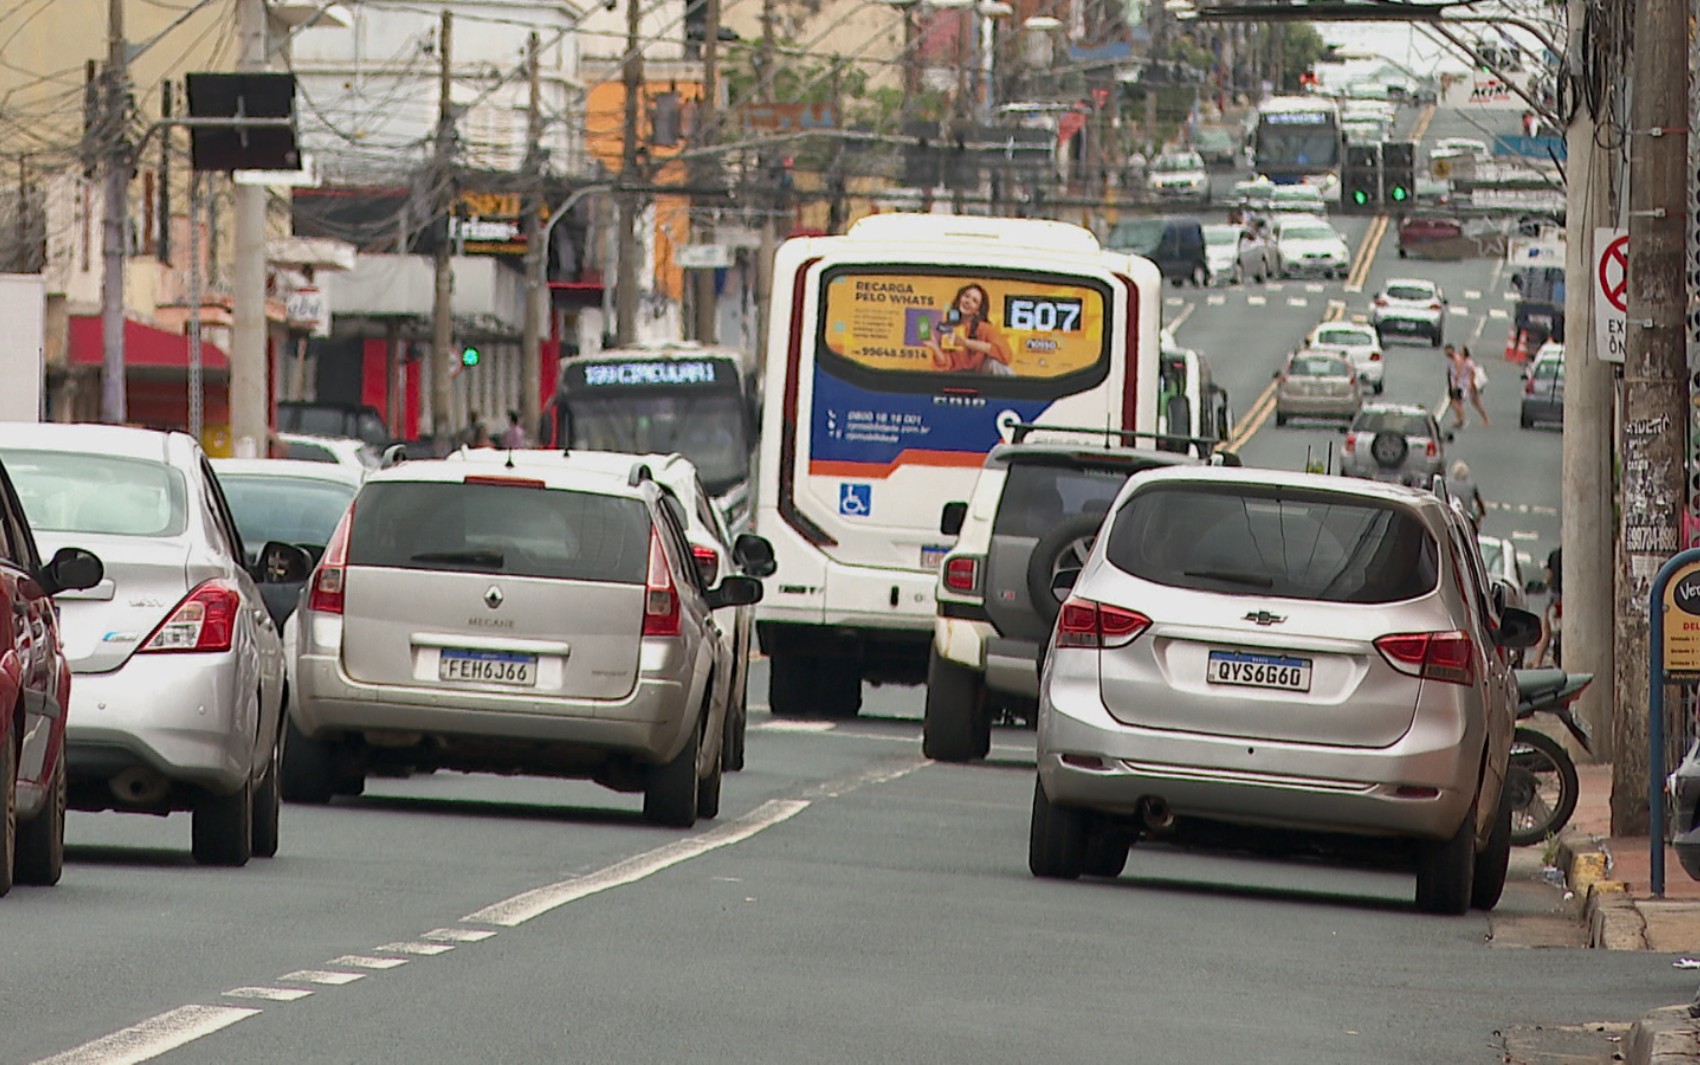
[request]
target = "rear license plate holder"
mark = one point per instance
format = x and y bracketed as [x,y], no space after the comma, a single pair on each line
[1248,670]
[458,665]
[932,555]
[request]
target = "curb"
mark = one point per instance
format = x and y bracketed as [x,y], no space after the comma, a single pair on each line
[1667,1036]
[1612,920]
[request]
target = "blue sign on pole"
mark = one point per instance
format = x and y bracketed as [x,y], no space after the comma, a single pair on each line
[1541,149]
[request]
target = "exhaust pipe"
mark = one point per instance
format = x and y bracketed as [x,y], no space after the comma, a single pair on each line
[1156,814]
[139,787]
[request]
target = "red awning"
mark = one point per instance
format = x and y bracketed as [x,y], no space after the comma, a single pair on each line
[144,347]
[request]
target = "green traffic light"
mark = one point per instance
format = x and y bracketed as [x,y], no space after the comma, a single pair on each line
[1398,194]
[469,356]
[1360,197]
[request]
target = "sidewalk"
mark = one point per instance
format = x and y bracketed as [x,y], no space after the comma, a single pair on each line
[1611,875]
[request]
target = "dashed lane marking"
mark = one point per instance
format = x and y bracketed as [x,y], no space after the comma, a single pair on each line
[459,935]
[322,976]
[1510,297]
[1498,312]
[1315,287]
[1297,301]
[1472,294]
[792,726]
[1460,312]
[154,1036]
[413,947]
[1523,534]
[1256,301]
[361,961]
[1173,301]
[269,994]
[1216,300]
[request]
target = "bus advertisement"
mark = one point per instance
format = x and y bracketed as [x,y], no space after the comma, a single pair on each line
[1297,137]
[898,355]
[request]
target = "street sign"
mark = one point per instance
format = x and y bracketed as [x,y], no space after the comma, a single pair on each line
[702,256]
[1610,282]
[1681,648]
[307,310]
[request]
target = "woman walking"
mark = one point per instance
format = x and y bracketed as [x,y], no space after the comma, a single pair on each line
[1463,379]
[1478,381]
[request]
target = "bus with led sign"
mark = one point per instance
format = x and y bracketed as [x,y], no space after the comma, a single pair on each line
[1297,137]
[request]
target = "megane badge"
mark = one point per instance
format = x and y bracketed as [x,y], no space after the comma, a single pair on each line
[493,597]
[1261,617]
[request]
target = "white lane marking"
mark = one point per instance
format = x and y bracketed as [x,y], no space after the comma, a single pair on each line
[1180,319]
[1314,287]
[793,726]
[459,935]
[1274,286]
[361,961]
[423,949]
[1509,297]
[1498,312]
[1297,301]
[322,976]
[1521,534]
[1472,294]
[528,904]
[1173,301]
[1524,556]
[1256,301]
[1460,311]
[832,789]
[269,994]
[154,1036]
[1216,300]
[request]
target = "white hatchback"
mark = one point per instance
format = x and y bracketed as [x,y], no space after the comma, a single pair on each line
[1358,343]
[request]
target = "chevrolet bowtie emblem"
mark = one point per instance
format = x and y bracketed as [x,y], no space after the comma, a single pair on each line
[1264,617]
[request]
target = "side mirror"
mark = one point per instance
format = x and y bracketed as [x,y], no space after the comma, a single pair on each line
[1534,586]
[735,590]
[753,554]
[394,455]
[282,563]
[72,569]
[1344,429]
[1450,436]
[952,518]
[1517,629]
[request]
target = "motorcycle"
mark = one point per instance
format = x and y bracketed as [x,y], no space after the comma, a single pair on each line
[1542,775]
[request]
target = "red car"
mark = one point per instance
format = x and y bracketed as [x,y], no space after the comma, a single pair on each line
[35,689]
[1430,236]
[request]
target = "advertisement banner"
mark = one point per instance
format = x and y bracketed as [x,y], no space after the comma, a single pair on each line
[915,323]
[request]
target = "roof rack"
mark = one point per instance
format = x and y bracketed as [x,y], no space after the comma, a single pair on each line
[1020,431]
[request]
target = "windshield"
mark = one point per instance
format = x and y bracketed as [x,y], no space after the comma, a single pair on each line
[1184,161]
[707,428]
[1374,421]
[1142,235]
[1410,292]
[1038,497]
[290,510]
[1222,236]
[84,493]
[1316,146]
[1316,232]
[1318,366]
[1345,337]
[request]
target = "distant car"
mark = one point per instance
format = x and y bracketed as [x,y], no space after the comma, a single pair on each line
[177,693]
[1179,176]
[1410,306]
[1499,557]
[340,450]
[333,419]
[288,501]
[1299,199]
[1217,146]
[1360,346]
[1424,234]
[1253,195]
[1470,146]
[1174,242]
[1316,384]
[1543,387]
[37,683]
[1401,443]
[1234,254]
[1307,246]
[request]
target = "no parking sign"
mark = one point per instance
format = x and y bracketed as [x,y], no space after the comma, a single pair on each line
[1611,292]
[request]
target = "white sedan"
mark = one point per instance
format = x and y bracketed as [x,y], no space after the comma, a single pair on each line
[1307,246]
[1358,343]
[1234,254]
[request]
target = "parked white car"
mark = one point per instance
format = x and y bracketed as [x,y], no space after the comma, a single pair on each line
[1358,343]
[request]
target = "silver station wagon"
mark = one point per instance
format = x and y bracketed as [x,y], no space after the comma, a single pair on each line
[1278,660]
[530,617]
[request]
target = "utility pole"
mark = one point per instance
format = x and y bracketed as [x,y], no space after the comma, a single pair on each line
[836,206]
[437,418]
[1655,373]
[116,149]
[707,313]
[769,238]
[1589,399]
[250,412]
[626,283]
[197,399]
[164,174]
[536,255]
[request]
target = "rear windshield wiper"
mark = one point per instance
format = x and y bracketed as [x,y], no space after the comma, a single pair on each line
[471,558]
[1255,580]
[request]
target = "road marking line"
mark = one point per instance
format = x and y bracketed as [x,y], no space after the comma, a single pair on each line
[521,908]
[1174,301]
[269,994]
[459,935]
[154,1036]
[1523,535]
[1216,300]
[792,726]
[1498,312]
[361,961]
[322,976]
[1336,311]
[1254,419]
[1509,297]
[1314,287]
[1256,301]
[1359,272]
[1180,319]
[1297,301]
[1472,294]
[414,947]
[1273,286]
[1459,311]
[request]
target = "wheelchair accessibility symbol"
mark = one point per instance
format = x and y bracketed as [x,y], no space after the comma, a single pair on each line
[855,500]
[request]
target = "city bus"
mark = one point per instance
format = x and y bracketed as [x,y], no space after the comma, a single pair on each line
[897,355]
[1297,137]
[699,401]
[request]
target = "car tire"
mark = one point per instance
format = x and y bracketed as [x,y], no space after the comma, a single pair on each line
[1525,421]
[222,832]
[1401,252]
[1056,839]
[1379,387]
[268,798]
[1239,275]
[708,788]
[737,723]
[1200,277]
[670,794]
[1280,419]
[1446,870]
[8,815]
[40,844]
[1106,854]
[958,725]
[1437,338]
[1073,536]
[1494,861]
[309,771]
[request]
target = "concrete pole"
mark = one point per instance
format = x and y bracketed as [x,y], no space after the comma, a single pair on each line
[769,225]
[250,413]
[1655,374]
[707,313]
[437,420]
[116,149]
[626,282]
[1588,401]
[197,400]
[536,255]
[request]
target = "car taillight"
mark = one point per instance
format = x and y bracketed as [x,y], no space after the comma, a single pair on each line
[1431,449]
[962,573]
[1529,385]
[1434,306]
[1381,301]
[1375,356]
[1443,656]
[660,600]
[325,588]
[1084,623]
[1351,443]
[204,621]
[708,563]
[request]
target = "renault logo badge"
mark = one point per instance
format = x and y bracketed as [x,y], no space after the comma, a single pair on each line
[493,597]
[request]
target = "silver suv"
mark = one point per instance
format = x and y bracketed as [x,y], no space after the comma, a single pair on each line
[533,618]
[1394,442]
[1272,659]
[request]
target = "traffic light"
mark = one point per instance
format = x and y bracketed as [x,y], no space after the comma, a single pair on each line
[469,356]
[1399,173]
[1360,179]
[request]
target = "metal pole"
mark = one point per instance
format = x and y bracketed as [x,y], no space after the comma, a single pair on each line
[626,283]
[1656,716]
[1588,401]
[197,398]
[116,150]
[250,413]
[707,312]
[536,255]
[769,235]
[1655,371]
[437,420]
